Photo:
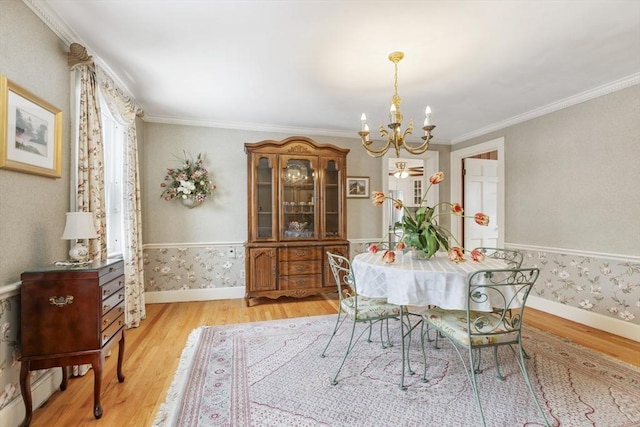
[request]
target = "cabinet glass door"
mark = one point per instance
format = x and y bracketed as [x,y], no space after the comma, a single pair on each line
[331,210]
[266,222]
[298,199]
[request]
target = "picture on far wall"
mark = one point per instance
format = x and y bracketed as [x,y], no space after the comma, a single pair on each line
[358,187]
[31,137]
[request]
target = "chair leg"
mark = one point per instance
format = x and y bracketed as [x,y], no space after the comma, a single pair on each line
[385,323]
[333,334]
[404,349]
[495,358]
[424,331]
[349,348]
[370,329]
[474,385]
[523,368]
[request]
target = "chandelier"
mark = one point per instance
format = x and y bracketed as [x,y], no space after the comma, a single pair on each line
[396,137]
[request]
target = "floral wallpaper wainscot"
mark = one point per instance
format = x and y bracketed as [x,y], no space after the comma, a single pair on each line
[193,267]
[599,285]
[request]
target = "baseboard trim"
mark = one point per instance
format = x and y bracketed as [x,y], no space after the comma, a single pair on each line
[194,295]
[12,415]
[594,320]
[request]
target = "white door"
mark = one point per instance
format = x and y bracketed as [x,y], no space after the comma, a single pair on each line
[480,195]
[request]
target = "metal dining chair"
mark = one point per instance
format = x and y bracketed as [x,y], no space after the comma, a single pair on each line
[358,308]
[512,257]
[475,330]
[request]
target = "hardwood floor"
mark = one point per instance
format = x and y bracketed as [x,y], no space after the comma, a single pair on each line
[153,351]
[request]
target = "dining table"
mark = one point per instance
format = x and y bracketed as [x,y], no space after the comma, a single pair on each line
[413,283]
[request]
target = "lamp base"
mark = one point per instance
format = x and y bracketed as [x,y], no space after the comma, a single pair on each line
[78,253]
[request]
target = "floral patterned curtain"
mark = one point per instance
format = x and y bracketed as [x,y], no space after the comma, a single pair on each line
[90,194]
[124,110]
[96,85]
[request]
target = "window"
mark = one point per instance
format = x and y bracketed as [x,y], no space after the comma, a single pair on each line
[114,136]
[417,191]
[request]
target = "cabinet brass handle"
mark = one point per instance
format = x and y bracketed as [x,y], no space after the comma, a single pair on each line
[61,301]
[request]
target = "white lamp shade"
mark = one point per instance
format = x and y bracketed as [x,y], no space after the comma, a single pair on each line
[79,226]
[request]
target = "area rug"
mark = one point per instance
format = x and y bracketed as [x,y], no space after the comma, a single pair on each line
[271,374]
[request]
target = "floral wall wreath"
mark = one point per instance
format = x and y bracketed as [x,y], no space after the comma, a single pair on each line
[190,183]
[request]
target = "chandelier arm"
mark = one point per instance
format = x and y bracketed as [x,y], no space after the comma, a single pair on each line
[372,151]
[415,150]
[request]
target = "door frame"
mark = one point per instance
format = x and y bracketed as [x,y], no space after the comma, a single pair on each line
[457,183]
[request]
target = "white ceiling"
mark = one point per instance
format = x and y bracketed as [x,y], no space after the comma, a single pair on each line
[313,66]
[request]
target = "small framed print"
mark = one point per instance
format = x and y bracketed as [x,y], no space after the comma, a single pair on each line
[358,187]
[31,137]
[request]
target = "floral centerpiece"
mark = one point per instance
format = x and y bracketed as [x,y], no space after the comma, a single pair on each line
[189,183]
[421,231]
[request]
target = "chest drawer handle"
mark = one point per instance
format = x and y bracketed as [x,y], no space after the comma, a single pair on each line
[300,253]
[301,267]
[61,301]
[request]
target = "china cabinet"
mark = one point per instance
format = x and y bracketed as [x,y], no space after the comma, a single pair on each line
[297,212]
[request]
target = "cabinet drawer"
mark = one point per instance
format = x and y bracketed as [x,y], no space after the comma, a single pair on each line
[113,286]
[300,254]
[300,267]
[112,315]
[112,301]
[112,329]
[107,274]
[301,282]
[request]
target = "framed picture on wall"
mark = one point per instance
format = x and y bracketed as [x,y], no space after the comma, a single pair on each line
[31,136]
[358,187]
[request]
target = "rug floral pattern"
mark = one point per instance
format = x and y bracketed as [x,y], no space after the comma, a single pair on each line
[271,374]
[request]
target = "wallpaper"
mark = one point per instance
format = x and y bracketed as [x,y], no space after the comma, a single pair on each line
[193,267]
[603,286]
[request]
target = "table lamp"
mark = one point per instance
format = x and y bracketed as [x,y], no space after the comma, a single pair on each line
[79,226]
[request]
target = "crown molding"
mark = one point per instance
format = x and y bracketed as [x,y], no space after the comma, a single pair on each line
[258,127]
[53,21]
[606,89]
[42,9]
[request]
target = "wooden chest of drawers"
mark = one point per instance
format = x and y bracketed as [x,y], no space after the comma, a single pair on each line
[71,316]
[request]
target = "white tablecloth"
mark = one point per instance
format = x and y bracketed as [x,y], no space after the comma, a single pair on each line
[437,281]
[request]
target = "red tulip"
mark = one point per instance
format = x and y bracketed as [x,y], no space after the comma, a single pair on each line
[388,257]
[477,255]
[457,209]
[481,219]
[436,178]
[377,197]
[456,254]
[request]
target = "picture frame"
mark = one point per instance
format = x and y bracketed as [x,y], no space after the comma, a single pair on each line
[31,136]
[357,187]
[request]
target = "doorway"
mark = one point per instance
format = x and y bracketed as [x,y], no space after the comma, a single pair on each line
[413,186]
[458,190]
